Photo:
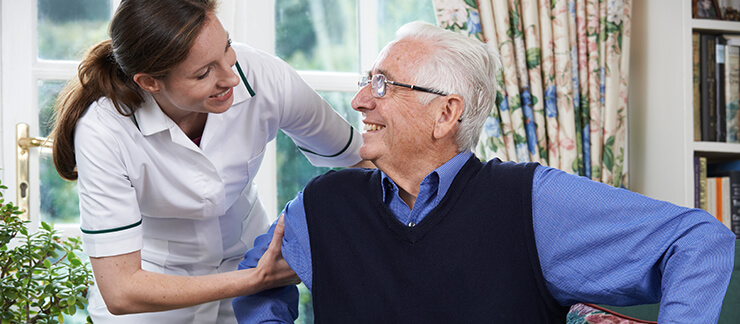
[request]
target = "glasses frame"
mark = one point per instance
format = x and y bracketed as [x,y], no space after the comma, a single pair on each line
[379,81]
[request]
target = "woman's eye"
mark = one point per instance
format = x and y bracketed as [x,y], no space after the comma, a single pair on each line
[201,77]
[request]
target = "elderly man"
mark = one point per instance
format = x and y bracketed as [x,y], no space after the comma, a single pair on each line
[436,236]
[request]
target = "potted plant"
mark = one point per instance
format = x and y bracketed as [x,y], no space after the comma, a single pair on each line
[42,278]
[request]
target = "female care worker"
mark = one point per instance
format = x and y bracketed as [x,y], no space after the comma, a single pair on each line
[164,130]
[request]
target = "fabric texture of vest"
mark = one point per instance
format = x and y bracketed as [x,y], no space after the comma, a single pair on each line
[472,259]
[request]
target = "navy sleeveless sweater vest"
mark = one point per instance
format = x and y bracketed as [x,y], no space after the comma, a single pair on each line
[471,260]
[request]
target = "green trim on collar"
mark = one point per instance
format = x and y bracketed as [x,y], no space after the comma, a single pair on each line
[111,230]
[244,79]
[351,134]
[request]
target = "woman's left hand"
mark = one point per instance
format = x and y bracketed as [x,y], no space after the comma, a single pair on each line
[272,267]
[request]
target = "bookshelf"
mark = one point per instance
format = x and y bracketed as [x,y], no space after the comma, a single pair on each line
[660,123]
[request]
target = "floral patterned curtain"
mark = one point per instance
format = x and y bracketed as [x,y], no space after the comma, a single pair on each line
[562,93]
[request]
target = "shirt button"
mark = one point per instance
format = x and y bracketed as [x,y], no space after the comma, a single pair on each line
[412,224]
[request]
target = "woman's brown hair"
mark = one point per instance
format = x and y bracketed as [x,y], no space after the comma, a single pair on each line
[147,36]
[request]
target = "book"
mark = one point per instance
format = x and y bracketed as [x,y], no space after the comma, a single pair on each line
[729,169]
[697,181]
[708,88]
[696,59]
[726,210]
[718,196]
[711,193]
[732,92]
[719,83]
[701,182]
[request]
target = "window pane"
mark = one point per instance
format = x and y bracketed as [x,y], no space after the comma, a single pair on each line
[319,35]
[59,201]
[293,169]
[67,28]
[393,14]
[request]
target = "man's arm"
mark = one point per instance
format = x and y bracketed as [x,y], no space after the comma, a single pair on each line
[279,304]
[607,245]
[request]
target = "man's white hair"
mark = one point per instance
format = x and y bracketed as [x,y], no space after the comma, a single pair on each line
[457,65]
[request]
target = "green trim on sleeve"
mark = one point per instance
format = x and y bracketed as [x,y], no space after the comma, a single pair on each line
[244,79]
[351,134]
[111,230]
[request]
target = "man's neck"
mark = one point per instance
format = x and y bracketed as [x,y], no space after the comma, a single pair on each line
[409,174]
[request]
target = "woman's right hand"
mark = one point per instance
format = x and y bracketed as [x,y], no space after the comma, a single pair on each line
[272,267]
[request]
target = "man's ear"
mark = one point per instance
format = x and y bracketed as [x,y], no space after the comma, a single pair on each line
[448,116]
[147,82]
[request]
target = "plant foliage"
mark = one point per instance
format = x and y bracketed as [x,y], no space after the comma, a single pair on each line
[43,279]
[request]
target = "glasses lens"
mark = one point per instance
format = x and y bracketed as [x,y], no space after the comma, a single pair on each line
[378,85]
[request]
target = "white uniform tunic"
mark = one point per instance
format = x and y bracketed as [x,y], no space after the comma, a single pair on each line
[144,185]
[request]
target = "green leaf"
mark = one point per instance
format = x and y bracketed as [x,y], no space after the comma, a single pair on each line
[46,226]
[47,263]
[533,57]
[472,3]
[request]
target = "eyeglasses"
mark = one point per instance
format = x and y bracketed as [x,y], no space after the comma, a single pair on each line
[379,81]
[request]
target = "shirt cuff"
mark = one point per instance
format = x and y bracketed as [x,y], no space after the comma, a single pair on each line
[114,242]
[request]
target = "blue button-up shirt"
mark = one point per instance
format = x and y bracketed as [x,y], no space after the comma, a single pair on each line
[596,243]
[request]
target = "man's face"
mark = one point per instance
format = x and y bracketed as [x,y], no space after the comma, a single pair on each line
[397,127]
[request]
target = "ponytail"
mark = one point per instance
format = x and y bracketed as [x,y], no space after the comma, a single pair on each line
[97,76]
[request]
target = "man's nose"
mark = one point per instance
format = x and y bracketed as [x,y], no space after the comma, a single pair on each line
[363,99]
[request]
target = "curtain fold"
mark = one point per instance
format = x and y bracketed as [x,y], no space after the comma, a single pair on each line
[562,93]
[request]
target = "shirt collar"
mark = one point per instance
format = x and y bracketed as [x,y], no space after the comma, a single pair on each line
[150,118]
[240,91]
[446,173]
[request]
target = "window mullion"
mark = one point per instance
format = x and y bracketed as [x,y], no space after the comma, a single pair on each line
[330,81]
[55,70]
[367,20]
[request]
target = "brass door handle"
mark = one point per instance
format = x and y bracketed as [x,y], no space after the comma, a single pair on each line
[23,145]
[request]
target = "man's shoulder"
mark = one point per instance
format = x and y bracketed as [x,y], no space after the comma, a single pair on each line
[349,176]
[496,164]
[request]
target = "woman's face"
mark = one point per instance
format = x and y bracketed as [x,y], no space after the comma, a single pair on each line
[204,81]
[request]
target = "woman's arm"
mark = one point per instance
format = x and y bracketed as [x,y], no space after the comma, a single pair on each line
[127,288]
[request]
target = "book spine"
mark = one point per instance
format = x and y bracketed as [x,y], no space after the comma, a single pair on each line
[726,203]
[711,196]
[735,202]
[697,183]
[718,198]
[696,83]
[703,183]
[708,89]
[732,92]
[719,82]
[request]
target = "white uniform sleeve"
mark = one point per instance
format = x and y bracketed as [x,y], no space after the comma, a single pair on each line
[110,217]
[324,137]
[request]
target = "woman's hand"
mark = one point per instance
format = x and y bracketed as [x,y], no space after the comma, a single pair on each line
[273,268]
[126,288]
